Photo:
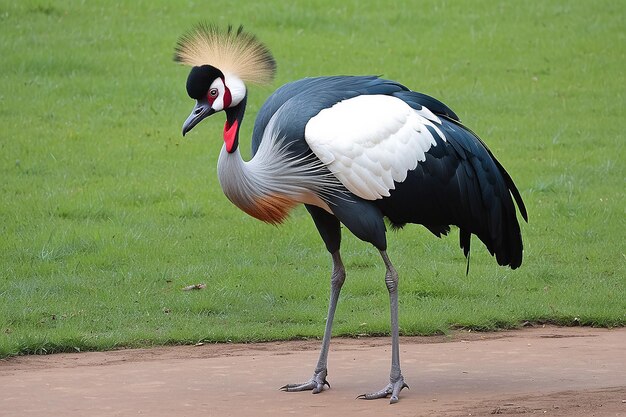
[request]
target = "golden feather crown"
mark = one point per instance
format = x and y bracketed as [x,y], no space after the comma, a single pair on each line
[231,51]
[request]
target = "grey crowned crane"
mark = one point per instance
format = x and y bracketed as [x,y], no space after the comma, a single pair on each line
[354,150]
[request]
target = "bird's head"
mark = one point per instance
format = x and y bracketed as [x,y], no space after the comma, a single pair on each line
[222,62]
[213,91]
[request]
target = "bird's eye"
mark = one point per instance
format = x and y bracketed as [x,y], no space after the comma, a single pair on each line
[213,92]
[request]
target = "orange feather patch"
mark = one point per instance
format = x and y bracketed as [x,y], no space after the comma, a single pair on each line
[272,208]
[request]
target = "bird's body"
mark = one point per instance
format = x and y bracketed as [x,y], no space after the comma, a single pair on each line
[354,150]
[447,178]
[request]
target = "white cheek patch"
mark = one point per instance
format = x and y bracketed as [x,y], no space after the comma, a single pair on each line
[218,103]
[236,87]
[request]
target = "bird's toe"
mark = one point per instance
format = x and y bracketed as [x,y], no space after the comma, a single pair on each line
[316,384]
[393,389]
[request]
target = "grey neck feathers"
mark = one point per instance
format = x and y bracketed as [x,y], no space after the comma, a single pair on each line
[274,181]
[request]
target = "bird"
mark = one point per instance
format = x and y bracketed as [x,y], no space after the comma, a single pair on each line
[359,152]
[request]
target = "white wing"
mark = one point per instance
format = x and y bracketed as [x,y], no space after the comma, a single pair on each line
[370,141]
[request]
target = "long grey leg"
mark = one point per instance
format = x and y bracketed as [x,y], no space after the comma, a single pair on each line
[317,382]
[396,380]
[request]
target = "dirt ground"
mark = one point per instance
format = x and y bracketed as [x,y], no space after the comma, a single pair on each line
[544,371]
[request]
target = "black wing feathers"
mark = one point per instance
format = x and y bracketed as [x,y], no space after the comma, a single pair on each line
[485,189]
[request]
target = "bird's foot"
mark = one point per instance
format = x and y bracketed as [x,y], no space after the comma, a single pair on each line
[393,389]
[315,384]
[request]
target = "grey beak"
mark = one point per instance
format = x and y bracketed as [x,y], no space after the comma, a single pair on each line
[201,111]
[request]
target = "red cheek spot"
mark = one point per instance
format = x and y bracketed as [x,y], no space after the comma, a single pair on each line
[228,98]
[210,99]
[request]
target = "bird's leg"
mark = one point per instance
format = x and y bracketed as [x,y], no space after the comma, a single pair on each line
[396,380]
[318,380]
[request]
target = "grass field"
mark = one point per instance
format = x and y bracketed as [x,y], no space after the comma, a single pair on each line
[106,213]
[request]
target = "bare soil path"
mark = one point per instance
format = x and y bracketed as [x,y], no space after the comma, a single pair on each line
[544,371]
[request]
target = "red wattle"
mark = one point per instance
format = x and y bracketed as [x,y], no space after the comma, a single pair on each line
[230,133]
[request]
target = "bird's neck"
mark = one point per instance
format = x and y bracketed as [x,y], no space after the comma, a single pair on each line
[234,118]
[243,182]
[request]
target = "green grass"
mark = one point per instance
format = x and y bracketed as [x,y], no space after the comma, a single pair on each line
[106,212]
